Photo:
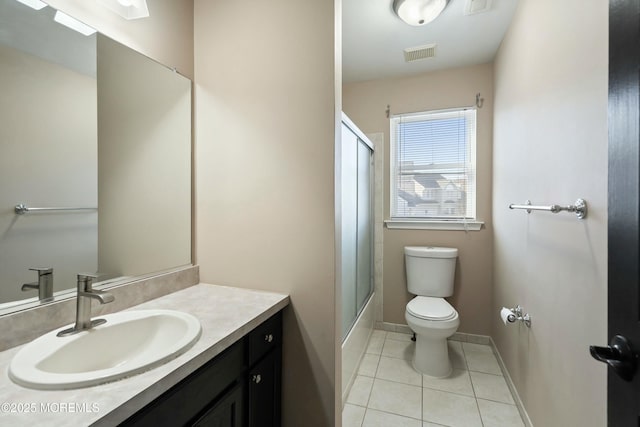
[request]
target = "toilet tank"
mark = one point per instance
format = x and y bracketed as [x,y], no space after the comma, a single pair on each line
[430,270]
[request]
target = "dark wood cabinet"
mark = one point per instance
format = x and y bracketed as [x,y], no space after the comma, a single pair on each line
[228,412]
[263,391]
[240,387]
[263,378]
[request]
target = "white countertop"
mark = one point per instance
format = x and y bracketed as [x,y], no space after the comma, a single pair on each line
[226,314]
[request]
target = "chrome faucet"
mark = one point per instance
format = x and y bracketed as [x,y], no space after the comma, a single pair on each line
[44,285]
[83,305]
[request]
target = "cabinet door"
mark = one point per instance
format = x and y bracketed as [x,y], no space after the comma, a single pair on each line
[227,412]
[264,391]
[187,399]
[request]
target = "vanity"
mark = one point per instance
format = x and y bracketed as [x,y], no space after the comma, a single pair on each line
[248,371]
[230,377]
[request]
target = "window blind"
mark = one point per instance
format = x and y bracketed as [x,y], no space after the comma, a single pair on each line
[433,165]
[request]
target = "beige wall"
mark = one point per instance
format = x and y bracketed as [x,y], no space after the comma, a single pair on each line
[265,138]
[550,146]
[365,104]
[144,168]
[48,146]
[166,35]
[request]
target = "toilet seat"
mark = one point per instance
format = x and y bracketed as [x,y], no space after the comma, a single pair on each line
[430,308]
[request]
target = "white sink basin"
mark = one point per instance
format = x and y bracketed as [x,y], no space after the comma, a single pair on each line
[129,343]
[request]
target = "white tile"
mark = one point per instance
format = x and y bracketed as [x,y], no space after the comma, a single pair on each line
[450,409]
[491,387]
[398,370]
[496,414]
[369,365]
[476,348]
[360,391]
[480,358]
[456,355]
[458,382]
[398,336]
[352,415]
[399,349]
[376,342]
[396,398]
[378,333]
[428,424]
[375,418]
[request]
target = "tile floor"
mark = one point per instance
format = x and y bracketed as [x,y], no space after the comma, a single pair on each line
[388,393]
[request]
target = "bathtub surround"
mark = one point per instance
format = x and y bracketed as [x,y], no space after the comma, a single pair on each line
[355,345]
[550,146]
[378,224]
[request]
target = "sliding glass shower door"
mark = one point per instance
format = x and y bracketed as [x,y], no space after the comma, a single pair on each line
[356,225]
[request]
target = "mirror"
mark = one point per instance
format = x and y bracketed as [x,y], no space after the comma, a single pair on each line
[94,127]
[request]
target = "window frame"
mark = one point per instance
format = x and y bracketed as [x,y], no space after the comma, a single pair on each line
[470,223]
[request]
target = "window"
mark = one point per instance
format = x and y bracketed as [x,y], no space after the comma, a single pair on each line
[433,156]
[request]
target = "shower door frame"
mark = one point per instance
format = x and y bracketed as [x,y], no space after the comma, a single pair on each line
[361,138]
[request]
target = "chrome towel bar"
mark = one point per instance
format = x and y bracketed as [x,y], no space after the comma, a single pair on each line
[22,209]
[579,208]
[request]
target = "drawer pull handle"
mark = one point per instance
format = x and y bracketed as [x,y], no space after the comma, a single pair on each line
[268,337]
[256,378]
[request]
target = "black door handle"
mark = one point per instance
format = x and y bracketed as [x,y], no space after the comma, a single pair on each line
[618,355]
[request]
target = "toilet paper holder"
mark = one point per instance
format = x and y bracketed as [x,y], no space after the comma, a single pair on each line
[517,313]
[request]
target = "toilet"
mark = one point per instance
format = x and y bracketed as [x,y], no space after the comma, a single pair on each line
[430,273]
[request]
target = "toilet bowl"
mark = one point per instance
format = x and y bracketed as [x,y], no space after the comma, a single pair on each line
[430,274]
[433,320]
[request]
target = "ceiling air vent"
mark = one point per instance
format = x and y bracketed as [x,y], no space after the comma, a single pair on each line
[420,52]
[471,7]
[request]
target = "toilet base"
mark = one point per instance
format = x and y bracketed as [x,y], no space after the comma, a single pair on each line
[431,357]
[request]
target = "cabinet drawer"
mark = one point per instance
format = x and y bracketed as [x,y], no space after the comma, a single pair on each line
[265,337]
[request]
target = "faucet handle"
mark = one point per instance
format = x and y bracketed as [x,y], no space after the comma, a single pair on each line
[42,270]
[44,285]
[85,281]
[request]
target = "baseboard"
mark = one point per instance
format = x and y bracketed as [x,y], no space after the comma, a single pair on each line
[511,385]
[471,338]
[393,327]
[458,336]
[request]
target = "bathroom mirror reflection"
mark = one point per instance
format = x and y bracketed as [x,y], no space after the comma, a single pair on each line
[87,123]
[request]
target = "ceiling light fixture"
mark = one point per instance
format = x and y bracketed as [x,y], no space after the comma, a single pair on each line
[128,9]
[74,24]
[33,4]
[419,12]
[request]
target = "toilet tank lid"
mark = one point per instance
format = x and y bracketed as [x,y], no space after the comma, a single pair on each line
[430,252]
